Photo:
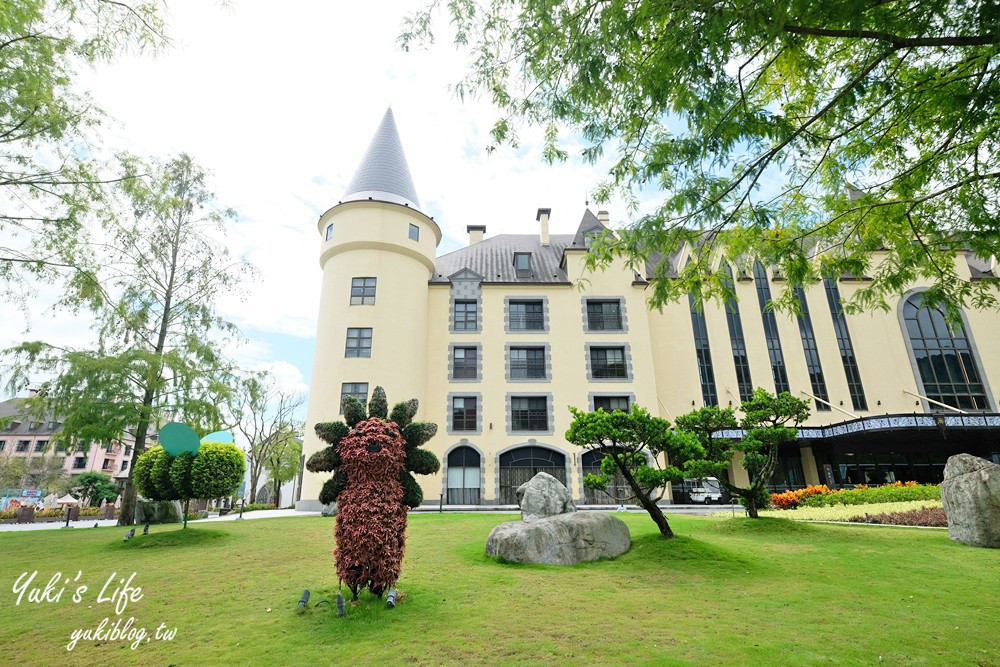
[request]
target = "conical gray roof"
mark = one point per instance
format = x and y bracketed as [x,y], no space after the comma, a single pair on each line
[383,174]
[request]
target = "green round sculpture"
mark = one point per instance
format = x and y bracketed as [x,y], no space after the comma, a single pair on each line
[177,437]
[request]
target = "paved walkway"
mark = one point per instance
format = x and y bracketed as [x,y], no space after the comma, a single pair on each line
[277,514]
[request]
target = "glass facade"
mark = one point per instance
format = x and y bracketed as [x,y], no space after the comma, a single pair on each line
[738,342]
[770,329]
[816,380]
[704,353]
[846,348]
[944,357]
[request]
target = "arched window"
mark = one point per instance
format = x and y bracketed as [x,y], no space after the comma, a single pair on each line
[944,357]
[464,479]
[519,465]
[618,489]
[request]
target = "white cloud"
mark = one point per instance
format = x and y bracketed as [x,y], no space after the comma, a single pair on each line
[280,103]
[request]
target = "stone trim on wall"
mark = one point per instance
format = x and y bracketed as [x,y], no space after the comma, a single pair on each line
[628,361]
[451,362]
[548,409]
[479,412]
[464,442]
[545,314]
[548,362]
[601,394]
[465,286]
[621,309]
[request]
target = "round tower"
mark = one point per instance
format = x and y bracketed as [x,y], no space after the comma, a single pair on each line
[377,253]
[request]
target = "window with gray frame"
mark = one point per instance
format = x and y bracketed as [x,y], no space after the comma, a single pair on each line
[466,315]
[358,390]
[529,413]
[526,315]
[464,363]
[414,232]
[527,363]
[359,342]
[464,410]
[362,291]
[604,315]
[611,403]
[22,445]
[608,362]
[464,476]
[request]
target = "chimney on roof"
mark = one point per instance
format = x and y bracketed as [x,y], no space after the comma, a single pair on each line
[476,233]
[543,218]
[604,218]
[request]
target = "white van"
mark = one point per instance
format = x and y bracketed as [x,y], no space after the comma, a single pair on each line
[706,491]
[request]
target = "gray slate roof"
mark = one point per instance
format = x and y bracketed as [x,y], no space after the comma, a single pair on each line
[21,424]
[383,174]
[493,259]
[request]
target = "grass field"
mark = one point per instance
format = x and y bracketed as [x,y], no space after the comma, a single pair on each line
[725,592]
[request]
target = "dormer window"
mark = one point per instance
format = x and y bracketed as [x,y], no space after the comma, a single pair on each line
[591,234]
[522,264]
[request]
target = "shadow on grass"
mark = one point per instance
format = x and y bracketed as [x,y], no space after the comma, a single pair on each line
[183,538]
[762,526]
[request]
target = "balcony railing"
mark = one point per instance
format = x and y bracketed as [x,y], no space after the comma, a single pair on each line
[527,322]
[527,370]
[604,321]
[529,420]
[611,370]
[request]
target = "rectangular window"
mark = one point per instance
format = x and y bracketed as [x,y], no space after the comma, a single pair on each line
[414,232]
[329,232]
[50,425]
[530,413]
[40,445]
[611,403]
[108,463]
[604,315]
[128,450]
[359,343]
[608,362]
[124,466]
[465,363]
[463,413]
[109,448]
[527,363]
[22,445]
[362,291]
[79,463]
[3,445]
[526,316]
[738,342]
[466,316]
[522,264]
[358,390]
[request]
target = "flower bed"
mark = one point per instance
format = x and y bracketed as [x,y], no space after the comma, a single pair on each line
[921,516]
[847,512]
[821,496]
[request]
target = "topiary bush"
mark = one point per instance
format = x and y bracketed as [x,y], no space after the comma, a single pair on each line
[373,459]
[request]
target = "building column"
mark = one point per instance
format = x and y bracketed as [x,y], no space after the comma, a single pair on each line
[809,468]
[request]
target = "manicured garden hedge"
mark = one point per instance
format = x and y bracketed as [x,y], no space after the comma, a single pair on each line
[821,496]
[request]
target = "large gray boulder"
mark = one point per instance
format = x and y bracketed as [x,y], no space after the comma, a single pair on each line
[564,539]
[152,511]
[543,495]
[970,494]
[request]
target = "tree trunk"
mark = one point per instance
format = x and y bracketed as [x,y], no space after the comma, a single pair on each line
[277,494]
[655,513]
[254,480]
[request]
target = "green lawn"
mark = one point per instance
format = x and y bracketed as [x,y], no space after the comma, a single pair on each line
[725,592]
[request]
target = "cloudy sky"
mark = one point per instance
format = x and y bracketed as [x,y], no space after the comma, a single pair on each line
[280,105]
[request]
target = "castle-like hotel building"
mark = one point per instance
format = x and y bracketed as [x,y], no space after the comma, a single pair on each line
[498,338]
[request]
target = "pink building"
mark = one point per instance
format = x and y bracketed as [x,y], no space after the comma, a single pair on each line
[29,438]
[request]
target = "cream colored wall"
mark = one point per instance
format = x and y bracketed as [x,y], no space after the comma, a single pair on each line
[411,345]
[568,384]
[369,240]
